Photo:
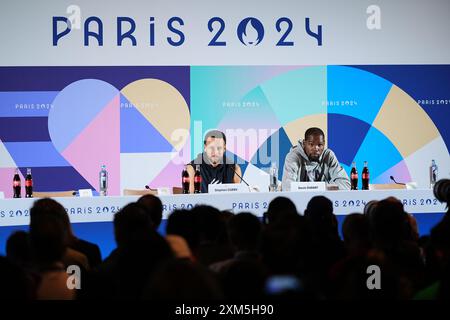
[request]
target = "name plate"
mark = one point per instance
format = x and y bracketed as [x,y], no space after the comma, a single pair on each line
[228,188]
[308,186]
[85,192]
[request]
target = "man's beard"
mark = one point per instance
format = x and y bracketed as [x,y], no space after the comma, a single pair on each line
[214,162]
[314,158]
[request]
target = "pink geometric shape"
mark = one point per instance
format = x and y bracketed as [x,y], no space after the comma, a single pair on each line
[6,180]
[400,172]
[98,144]
[170,176]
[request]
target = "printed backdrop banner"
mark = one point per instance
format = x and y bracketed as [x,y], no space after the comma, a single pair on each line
[134,85]
[65,122]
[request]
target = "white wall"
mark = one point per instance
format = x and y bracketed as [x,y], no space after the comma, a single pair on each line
[412,32]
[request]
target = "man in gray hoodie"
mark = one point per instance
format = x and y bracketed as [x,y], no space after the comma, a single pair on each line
[310,161]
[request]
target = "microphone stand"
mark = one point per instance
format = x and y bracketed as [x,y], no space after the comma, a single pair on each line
[392,178]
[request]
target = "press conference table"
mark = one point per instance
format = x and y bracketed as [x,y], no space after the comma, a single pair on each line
[15,212]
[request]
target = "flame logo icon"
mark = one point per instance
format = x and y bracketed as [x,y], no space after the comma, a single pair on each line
[250,31]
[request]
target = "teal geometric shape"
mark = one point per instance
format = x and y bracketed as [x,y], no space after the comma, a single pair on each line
[297,93]
[253,111]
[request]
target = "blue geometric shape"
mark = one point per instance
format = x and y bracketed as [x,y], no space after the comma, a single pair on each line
[345,135]
[35,154]
[24,129]
[26,104]
[137,134]
[56,179]
[264,157]
[379,151]
[361,92]
[75,107]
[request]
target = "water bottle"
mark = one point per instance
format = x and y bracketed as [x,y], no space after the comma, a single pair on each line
[433,173]
[103,181]
[273,178]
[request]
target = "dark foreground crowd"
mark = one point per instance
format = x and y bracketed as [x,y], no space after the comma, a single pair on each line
[214,255]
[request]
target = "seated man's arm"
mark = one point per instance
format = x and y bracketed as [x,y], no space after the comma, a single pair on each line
[191,172]
[337,173]
[237,173]
[290,170]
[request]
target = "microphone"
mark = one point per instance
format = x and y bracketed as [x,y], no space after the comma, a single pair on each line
[147,187]
[392,178]
[242,179]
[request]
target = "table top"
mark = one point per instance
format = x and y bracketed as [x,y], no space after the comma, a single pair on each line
[101,209]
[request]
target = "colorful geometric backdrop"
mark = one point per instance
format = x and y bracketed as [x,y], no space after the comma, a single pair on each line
[65,122]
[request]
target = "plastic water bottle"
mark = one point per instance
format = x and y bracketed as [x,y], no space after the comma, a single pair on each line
[433,173]
[273,185]
[103,181]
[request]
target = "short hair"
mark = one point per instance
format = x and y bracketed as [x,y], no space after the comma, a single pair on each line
[314,131]
[215,134]
[154,207]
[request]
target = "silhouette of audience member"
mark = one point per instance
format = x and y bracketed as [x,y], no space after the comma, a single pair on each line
[90,250]
[286,246]
[328,247]
[244,230]
[210,226]
[438,258]
[369,208]
[391,233]
[182,223]
[351,281]
[153,206]
[139,251]
[48,238]
[355,231]
[181,280]
[18,249]
[243,276]
[389,224]
[203,229]
[279,208]
[71,256]
[15,284]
